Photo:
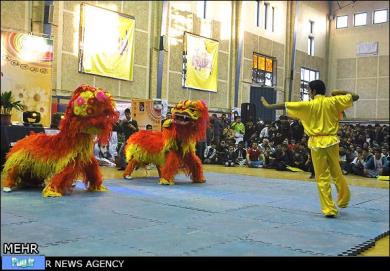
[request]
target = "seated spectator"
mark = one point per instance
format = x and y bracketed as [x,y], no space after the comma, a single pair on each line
[222,148]
[149,127]
[374,165]
[228,134]
[240,154]
[291,145]
[103,155]
[357,165]
[343,161]
[299,160]
[264,132]
[266,146]
[369,169]
[285,159]
[230,157]
[210,154]
[254,156]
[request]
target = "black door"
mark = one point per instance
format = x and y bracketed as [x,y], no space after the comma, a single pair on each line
[269,94]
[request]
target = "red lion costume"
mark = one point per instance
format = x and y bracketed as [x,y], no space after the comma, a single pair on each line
[57,160]
[174,147]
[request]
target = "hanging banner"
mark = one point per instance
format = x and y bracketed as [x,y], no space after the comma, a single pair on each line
[200,61]
[145,112]
[107,42]
[26,63]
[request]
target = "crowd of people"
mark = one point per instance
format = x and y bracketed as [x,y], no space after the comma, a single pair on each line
[280,145]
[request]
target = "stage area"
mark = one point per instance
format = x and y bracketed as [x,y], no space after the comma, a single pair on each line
[229,215]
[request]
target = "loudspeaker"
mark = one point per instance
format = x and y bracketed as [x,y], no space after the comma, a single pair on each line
[248,112]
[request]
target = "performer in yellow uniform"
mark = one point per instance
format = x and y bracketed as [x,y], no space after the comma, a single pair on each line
[320,119]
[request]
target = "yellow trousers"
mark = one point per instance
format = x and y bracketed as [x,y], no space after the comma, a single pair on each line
[326,164]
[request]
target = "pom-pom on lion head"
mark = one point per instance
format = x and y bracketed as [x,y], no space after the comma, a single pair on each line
[190,119]
[90,111]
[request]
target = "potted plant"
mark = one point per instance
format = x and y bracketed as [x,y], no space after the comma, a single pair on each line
[6,106]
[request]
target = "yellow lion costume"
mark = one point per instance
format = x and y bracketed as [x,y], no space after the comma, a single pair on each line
[173,148]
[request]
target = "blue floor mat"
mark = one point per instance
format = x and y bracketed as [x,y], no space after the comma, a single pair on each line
[230,215]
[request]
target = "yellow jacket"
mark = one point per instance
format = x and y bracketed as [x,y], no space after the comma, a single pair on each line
[319,118]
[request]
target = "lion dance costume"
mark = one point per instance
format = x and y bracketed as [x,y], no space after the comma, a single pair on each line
[57,160]
[173,149]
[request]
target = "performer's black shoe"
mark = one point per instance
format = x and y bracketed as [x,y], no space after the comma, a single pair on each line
[330,216]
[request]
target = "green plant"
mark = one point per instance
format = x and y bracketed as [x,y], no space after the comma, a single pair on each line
[8,103]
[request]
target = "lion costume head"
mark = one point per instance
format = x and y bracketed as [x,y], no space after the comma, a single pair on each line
[190,119]
[92,111]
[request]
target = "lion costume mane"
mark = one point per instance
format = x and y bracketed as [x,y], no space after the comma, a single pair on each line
[57,160]
[173,148]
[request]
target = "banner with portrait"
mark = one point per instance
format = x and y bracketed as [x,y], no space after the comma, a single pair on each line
[200,62]
[106,42]
[146,111]
[26,67]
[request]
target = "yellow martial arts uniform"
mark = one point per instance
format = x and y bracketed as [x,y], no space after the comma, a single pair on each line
[319,118]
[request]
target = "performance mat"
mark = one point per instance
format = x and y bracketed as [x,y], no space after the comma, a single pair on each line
[228,215]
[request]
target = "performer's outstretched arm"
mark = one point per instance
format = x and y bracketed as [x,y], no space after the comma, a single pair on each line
[355,97]
[279,106]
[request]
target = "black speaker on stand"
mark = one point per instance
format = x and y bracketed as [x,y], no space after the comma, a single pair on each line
[248,112]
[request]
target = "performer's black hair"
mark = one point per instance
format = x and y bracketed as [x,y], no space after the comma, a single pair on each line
[318,86]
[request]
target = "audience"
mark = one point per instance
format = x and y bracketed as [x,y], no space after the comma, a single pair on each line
[282,144]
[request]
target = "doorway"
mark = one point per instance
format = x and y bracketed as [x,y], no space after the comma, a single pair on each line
[269,94]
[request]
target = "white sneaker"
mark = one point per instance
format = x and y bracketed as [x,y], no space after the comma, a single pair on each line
[128,177]
[7,189]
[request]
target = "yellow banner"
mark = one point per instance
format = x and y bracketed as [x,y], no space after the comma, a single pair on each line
[26,63]
[146,112]
[202,62]
[107,43]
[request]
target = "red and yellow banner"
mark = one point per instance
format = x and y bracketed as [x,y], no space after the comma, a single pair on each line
[26,65]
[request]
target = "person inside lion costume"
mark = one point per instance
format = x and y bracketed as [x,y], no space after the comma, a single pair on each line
[55,161]
[173,149]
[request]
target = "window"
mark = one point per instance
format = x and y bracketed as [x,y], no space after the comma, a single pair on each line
[264,70]
[342,21]
[380,16]
[310,46]
[360,19]
[258,14]
[273,19]
[265,15]
[307,75]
